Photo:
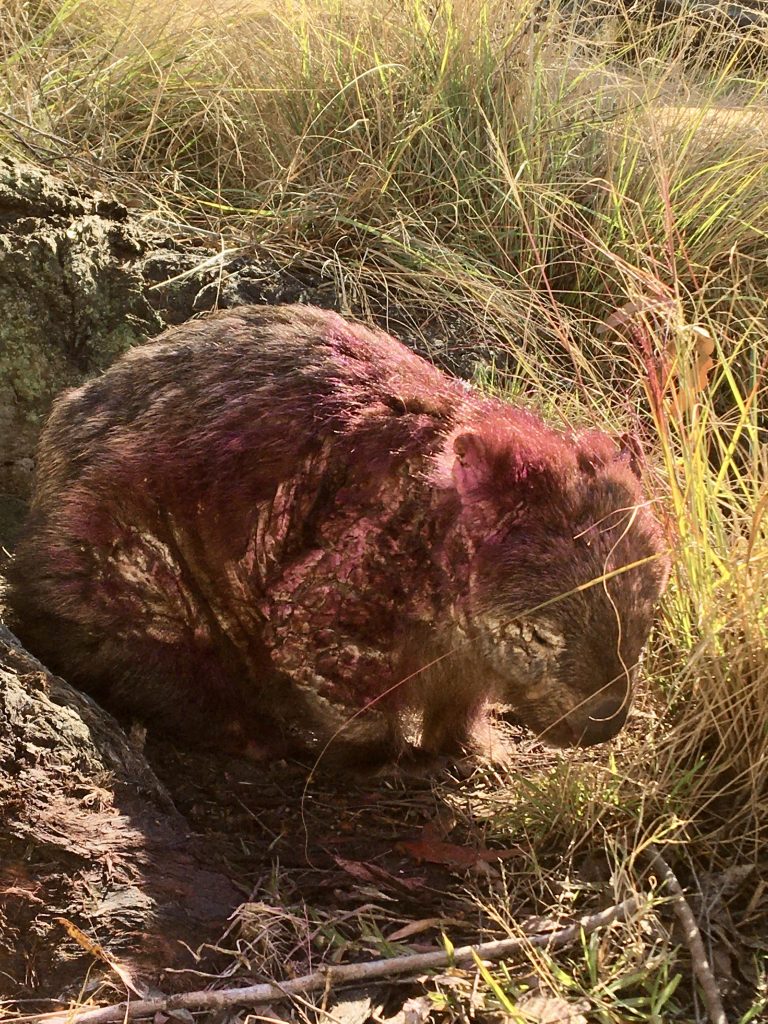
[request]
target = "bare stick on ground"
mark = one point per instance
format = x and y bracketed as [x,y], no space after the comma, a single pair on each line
[693,940]
[335,976]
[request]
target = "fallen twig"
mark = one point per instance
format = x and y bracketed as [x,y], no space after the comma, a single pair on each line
[693,940]
[327,977]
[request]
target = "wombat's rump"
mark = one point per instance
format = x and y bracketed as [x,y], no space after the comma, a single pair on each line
[274,523]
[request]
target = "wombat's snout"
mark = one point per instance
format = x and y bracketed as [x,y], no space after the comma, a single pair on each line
[598,722]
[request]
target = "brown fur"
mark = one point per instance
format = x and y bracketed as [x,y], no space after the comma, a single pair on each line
[276,525]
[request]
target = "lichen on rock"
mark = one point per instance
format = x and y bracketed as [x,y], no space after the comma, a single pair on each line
[81,280]
[71,292]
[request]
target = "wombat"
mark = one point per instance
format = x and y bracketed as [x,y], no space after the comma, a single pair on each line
[274,526]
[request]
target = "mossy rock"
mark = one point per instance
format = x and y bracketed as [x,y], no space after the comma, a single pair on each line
[71,291]
[81,280]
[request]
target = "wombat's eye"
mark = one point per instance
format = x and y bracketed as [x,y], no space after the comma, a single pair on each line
[546,637]
[541,638]
[583,538]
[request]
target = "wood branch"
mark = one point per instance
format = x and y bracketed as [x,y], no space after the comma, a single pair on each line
[692,935]
[330,977]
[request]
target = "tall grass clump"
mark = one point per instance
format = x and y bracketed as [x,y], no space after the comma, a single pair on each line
[528,172]
[718,613]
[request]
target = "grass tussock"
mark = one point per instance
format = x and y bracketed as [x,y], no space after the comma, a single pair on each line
[528,171]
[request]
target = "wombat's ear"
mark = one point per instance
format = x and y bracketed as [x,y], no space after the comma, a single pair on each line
[597,450]
[631,452]
[470,470]
[594,450]
[488,471]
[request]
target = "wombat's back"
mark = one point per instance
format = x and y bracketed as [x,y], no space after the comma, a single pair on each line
[263,380]
[210,455]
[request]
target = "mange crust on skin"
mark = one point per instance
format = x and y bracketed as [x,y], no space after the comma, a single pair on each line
[277,527]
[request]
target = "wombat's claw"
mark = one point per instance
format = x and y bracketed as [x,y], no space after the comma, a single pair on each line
[418,763]
[253,751]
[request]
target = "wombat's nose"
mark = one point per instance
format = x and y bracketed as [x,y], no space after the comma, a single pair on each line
[600,722]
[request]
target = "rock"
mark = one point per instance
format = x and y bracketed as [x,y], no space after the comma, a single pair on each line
[71,295]
[89,837]
[81,280]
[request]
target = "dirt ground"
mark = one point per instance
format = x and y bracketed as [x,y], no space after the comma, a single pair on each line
[339,870]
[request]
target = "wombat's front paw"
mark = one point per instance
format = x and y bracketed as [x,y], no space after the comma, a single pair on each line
[417,763]
[491,744]
[236,740]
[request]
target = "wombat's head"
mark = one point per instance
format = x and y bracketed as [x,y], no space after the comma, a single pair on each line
[568,563]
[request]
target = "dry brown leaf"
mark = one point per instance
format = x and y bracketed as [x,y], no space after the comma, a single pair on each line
[692,375]
[437,851]
[650,324]
[375,875]
[181,1015]
[351,1011]
[98,951]
[417,1010]
[551,1010]
[416,927]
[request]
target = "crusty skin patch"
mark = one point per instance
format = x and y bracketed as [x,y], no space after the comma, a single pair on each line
[283,527]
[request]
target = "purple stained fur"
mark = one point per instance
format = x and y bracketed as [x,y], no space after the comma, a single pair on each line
[275,526]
